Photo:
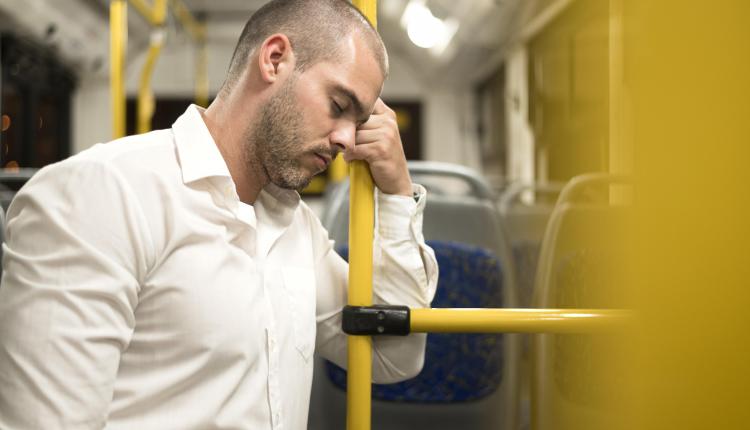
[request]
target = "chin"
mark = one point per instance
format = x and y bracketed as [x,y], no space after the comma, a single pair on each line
[296,183]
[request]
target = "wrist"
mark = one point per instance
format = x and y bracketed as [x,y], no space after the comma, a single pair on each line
[406,190]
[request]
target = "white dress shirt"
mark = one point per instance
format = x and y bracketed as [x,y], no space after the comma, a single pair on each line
[138,292]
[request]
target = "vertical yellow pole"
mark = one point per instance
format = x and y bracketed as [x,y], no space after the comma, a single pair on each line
[361,224]
[201,74]
[156,16]
[146,102]
[338,170]
[118,36]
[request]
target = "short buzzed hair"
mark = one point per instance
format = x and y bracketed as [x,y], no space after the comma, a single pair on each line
[315,29]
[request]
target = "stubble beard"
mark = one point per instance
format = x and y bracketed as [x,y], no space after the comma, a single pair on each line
[275,143]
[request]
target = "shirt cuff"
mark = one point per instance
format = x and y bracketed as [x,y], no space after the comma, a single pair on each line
[397,215]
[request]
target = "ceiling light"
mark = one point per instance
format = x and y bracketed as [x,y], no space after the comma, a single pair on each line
[424,29]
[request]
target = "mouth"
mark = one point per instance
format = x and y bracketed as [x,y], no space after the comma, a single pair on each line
[323,159]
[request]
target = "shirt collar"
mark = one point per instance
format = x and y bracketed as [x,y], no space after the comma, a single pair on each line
[200,158]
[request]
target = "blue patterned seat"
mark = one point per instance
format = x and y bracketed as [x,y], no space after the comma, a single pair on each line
[458,367]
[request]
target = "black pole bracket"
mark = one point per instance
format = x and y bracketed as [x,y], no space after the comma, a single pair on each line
[376,320]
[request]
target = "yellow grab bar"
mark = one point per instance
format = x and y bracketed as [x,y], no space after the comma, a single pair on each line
[182,13]
[146,102]
[201,75]
[118,36]
[361,225]
[338,170]
[197,31]
[156,15]
[517,320]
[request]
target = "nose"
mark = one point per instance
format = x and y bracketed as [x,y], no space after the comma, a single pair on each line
[343,136]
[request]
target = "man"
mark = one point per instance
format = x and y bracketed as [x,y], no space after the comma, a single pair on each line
[174,280]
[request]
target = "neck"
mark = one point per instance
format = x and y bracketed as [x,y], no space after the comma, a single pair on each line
[227,123]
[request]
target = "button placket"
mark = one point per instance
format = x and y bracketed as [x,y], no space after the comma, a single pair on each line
[273,380]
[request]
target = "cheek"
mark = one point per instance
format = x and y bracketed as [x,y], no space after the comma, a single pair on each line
[315,113]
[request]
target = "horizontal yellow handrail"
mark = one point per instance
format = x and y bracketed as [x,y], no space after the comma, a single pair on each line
[517,320]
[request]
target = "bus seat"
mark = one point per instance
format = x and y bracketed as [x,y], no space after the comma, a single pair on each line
[525,209]
[525,228]
[458,367]
[447,218]
[583,264]
[11,180]
[2,237]
[467,222]
[439,178]
[6,196]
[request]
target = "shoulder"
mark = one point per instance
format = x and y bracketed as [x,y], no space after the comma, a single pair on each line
[143,153]
[147,164]
[126,168]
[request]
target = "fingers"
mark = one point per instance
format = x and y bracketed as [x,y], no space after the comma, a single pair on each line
[380,107]
[373,144]
[370,136]
[378,142]
[381,116]
[377,138]
[370,153]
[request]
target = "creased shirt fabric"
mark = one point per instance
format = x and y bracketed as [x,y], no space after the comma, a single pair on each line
[138,292]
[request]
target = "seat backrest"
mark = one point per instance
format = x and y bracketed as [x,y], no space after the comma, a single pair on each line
[12,180]
[6,196]
[473,187]
[583,265]
[594,188]
[585,247]
[464,220]
[2,238]
[458,367]
[437,174]
[525,226]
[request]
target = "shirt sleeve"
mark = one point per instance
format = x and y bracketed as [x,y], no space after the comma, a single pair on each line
[405,272]
[72,261]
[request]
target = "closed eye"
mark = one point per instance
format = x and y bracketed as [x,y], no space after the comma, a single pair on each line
[336,109]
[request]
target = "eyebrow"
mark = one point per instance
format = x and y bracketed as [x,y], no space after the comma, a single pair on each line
[358,108]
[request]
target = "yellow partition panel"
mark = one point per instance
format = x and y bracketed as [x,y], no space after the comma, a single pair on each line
[687,65]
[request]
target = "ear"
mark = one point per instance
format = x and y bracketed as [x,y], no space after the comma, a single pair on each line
[275,57]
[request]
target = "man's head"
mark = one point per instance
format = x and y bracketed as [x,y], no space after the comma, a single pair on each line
[305,60]
[315,29]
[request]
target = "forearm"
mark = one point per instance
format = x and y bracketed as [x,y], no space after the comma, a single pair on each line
[404,273]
